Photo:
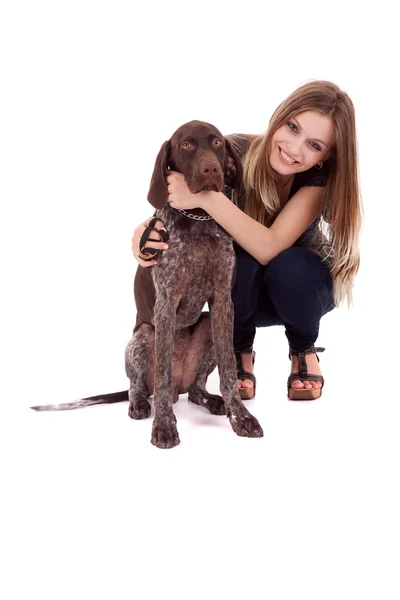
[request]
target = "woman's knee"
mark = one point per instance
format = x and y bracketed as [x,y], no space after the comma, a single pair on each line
[294,269]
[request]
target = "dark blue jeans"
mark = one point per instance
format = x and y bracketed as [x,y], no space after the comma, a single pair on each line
[294,289]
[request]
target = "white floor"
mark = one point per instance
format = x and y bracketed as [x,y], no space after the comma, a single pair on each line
[93,510]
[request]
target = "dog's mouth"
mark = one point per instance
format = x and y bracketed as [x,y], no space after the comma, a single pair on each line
[212,187]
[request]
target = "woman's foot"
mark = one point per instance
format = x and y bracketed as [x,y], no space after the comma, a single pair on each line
[312,367]
[247,365]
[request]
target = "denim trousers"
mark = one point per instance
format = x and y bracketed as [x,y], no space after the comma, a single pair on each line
[294,289]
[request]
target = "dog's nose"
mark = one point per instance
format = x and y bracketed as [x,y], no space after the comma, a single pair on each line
[208,168]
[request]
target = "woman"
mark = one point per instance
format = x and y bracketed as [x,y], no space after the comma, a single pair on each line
[295,226]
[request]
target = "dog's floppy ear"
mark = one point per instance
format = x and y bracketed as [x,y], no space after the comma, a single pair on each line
[233,167]
[158,192]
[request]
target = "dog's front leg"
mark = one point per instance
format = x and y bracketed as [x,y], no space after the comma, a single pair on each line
[243,423]
[164,432]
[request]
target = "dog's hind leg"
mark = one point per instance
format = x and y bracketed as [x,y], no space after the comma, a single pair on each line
[139,367]
[201,353]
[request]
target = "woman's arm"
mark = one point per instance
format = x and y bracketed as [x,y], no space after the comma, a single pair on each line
[261,242]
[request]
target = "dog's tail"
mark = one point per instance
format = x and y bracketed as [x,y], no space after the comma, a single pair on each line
[100,399]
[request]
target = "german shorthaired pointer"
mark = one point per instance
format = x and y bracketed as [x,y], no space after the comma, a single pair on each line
[175,346]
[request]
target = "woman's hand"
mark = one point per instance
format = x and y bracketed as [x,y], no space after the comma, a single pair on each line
[154,241]
[180,197]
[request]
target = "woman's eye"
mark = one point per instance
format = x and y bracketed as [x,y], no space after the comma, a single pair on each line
[316,146]
[292,126]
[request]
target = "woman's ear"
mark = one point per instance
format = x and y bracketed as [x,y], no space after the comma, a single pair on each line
[233,167]
[158,192]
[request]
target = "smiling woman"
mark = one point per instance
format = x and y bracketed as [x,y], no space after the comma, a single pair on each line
[297,146]
[295,225]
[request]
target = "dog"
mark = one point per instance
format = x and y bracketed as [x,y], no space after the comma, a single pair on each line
[175,345]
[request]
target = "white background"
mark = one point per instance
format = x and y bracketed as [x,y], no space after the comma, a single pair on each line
[89,91]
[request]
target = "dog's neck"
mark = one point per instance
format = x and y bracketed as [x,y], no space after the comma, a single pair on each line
[199,215]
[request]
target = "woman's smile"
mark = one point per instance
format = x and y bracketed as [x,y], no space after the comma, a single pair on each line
[286,158]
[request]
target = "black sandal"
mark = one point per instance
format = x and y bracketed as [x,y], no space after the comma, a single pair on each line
[304,375]
[245,393]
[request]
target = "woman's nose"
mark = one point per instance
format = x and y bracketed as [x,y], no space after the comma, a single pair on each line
[295,152]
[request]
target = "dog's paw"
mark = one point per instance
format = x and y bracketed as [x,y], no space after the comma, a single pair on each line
[243,423]
[140,409]
[214,404]
[211,402]
[165,434]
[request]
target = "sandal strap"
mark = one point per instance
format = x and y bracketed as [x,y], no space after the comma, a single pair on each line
[301,354]
[242,375]
[311,350]
[308,377]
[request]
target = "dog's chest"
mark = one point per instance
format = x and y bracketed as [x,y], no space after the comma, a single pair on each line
[197,262]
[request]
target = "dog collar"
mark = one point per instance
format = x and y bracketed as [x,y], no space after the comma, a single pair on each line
[195,217]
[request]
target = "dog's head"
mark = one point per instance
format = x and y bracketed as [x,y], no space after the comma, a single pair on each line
[203,155]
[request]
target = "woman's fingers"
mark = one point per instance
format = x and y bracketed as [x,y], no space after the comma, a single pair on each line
[154,241]
[155,244]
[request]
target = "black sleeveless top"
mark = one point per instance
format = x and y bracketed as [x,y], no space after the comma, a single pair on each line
[313,237]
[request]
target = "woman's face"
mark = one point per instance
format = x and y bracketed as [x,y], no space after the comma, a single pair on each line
[301,142]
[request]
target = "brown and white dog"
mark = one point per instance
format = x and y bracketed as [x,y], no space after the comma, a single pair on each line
[175,346]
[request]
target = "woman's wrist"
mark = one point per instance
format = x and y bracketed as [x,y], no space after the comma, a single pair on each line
[208,200]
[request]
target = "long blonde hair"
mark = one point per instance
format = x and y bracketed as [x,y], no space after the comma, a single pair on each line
[342,209]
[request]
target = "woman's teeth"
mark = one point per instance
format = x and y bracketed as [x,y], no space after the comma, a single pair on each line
[286,157]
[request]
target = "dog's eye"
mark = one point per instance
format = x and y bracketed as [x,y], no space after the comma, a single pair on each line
[186,145]
[217,143]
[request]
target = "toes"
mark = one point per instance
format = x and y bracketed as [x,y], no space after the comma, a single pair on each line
[246,383]
[308,385]
[315,384]
[297,384]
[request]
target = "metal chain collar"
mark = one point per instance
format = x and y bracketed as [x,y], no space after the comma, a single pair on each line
[195,217]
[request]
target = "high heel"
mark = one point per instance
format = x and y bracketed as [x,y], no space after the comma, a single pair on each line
[304,375]
[245,393]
